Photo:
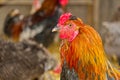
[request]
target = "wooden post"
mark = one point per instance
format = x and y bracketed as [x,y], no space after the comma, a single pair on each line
[90,15]
[96,14]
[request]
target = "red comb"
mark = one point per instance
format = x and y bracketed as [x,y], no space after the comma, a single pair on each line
[63,18]
[63,2]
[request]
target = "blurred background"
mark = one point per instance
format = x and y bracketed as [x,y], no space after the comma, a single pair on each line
[33,20]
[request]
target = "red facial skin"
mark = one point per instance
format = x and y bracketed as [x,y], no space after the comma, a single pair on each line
[67,29]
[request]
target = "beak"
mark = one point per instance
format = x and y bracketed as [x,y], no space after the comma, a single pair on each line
[56,28]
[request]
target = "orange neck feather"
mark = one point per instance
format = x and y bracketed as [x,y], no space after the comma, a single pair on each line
[85,52]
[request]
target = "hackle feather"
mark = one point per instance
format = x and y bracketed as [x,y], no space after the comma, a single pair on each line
[86,55]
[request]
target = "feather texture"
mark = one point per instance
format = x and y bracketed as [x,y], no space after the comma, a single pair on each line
[85,54]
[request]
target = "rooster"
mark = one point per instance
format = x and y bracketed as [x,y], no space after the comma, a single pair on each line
[38,25]
[82,52]
[46,17]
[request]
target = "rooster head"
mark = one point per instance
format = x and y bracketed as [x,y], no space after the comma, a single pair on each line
[68,26]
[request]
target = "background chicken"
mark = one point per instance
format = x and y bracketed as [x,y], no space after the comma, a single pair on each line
[13,24]
[24,61]
[82,52]
[37,26]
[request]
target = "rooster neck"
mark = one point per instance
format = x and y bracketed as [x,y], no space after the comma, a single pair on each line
[85,54]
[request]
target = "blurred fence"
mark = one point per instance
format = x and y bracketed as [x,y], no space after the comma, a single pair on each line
[93,12]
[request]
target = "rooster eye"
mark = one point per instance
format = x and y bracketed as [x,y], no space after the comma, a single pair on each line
[70,25]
